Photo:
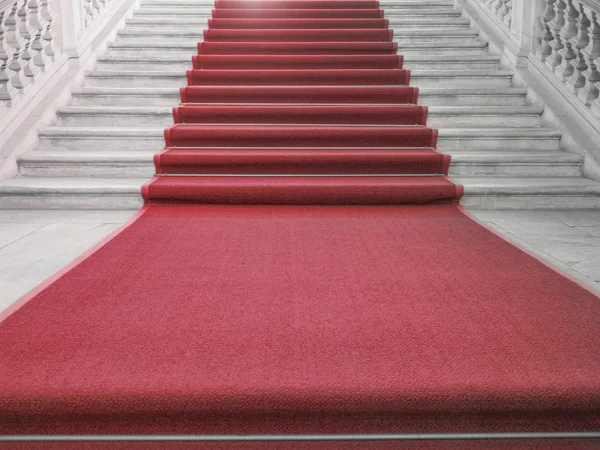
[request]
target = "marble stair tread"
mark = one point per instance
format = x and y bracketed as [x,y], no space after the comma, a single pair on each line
[133,91]
[527,185]
[165,59]
[153,132]
[551,157]
[400,31]
[83,156]
[415,74]
[168,18]
[56,185]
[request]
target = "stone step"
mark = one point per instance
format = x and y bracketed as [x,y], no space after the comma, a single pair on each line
[168,62]
[529,193]
[71,193]
[489,79]
[169,17]
[152,138]
[83,163]
[390,13]
[415,5]
[137,46]
[123,193]
[130,97]
[439,117]
[498,139]
[516,164]
[200,21]
[401,36]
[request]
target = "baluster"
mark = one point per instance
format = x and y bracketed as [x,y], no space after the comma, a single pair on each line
[571,23]
[26,58]
[45,10]
[13,37]
[89,12]
[583,35]
[556,57]
[566,68]
[4,57]
[550,11]
[23,28]
[506,13]
[49,37]
[38,58]
[16,80]
[545,51]
[595,51]
[591,92]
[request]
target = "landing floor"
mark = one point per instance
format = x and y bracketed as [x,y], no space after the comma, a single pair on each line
[35,244]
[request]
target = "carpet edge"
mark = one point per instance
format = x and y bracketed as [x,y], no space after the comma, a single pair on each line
[68,267]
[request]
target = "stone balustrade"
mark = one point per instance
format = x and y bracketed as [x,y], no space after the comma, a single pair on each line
[502,10]
[561,38]
[34,33]
[568,43]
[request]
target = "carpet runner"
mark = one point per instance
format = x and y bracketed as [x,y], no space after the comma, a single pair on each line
[302,266]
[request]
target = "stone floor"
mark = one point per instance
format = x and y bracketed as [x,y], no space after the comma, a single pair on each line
[35,244]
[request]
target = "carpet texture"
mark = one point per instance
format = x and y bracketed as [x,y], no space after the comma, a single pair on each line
[302,266]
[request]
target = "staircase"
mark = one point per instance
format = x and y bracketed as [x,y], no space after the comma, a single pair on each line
[100,152]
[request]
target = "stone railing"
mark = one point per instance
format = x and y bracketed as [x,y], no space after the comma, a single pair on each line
[35,35]
[567,41]
[560,38]
[501,10]
[45,48]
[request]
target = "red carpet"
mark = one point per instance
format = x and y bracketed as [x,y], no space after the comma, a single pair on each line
[301,266]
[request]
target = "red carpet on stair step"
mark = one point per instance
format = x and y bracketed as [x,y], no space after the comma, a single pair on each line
[310,35]
[245,13]
[306,114]
[245,62]
[299,136]
[295,77]
[302,266]
[302,190]
[300,94]
[297,4]
[296,48]
[281,24]
[306,161]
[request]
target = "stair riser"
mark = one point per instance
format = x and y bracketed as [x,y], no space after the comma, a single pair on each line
[448,144]
[124,170]
[144,120]
[186,65]
[516,170]
[115,100]
[483,121]
[138,49]
[141,170]
[530,202]
[471,100]
[173,100]
[158,81]
[116,120]
[184,37]
[71,201]
[430,10]
[465,80]
[130,201]
[201,22]
[98,144]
